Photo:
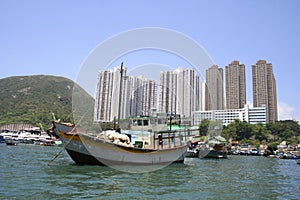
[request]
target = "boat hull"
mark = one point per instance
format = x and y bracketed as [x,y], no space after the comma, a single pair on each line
[11,142]
[216,154]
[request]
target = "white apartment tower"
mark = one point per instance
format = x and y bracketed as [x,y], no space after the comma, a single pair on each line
[107,95]
[179,92]
[143,95]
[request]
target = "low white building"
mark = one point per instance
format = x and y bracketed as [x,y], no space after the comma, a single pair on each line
[257,115]
[251,115]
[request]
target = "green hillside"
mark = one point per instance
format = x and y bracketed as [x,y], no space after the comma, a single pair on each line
[33,99]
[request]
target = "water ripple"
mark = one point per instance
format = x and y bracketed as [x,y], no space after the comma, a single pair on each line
[25,174]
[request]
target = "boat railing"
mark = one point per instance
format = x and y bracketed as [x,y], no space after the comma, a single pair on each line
[173,138]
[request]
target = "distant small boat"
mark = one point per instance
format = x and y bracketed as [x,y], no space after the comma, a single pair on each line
[24,137]
[215,147]
[193,150]
[2,139]
[11,142]
[298,162]
[47,143]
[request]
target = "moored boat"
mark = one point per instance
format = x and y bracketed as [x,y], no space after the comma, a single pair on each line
[11,142]
[47,143]
[215,147]
[193,150]
[2,139]
[32,136]
[147,142]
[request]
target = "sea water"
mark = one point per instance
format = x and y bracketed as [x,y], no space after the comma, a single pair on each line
[27,174]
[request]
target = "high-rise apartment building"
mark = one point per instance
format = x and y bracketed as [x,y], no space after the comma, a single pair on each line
[143,95]
[179,92]
[138,96]
[202,96]
[235,85]
[264,89]
[214,98]
[107,95]
[103,96]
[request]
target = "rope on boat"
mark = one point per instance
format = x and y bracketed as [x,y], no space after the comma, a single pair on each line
[63,148]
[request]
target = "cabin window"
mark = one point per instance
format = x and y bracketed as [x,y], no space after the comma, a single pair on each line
[146,123]
[140,122]
[138,144]
[161,121]
[137,122]
[153,121]
[134,122]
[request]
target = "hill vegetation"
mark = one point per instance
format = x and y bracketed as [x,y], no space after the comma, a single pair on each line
[33,99]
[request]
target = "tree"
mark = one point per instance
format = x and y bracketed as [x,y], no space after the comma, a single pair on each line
[203,127]
[285,130]
[260,132]
[243,130]
[229,131]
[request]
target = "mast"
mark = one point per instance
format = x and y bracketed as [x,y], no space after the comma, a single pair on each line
[120,95]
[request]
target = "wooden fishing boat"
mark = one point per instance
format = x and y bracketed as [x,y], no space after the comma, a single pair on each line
[147,142]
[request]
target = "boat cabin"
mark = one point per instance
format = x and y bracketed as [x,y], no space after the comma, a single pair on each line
[154,133]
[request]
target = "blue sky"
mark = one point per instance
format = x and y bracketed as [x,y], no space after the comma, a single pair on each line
[55,37]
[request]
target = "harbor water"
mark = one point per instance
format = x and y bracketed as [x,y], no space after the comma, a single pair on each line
[25,174]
